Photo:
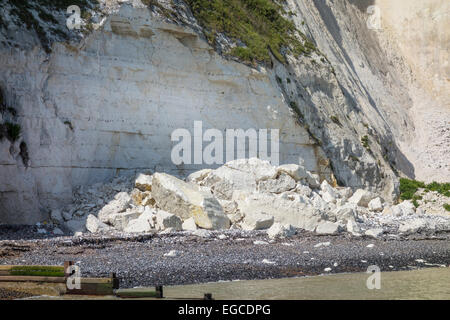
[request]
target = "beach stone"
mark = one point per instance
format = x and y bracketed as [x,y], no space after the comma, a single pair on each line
[328,228]
[94,225]
[284,211]
[326,188]
[139,197]
[278,230]
[241,174]
[295,171]
[413,226]
[407,208]
[345,193]
[166,220]
[387,211]
[143,182]
[376,204]
[362,197]
[228,206]
[257,221]
[172,253]
[345,214]
[327,197]
[322,244]
[144,223]
[353,227]
[374,233]
[120,203]
[303,190]
[189,225]
[121,220]
[281,184]
[313,180]
[186,201]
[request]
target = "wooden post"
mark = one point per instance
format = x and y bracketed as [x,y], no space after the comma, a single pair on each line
[67,264]
[115,280]
[159,292]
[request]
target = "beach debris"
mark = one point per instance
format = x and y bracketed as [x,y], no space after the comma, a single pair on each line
[172,253]
[322,244]
[260,242]
[374,233]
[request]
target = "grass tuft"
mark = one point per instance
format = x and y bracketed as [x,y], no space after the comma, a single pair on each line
[259,24]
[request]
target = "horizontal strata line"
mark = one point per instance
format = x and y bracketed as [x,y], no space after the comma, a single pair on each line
[119,168]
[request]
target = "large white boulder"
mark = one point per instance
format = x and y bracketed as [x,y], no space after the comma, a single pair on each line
[120,220]
[186,200]
[284,210]
[144,223]
[119,204]
[328,228]
[241,174]
[143,182]
[76,225]
[278,230]
[298,173]
[281,184]
[56,216]
[165,220]
[257,221]
[326,188]
[93,224]
[406,208]
[362,197]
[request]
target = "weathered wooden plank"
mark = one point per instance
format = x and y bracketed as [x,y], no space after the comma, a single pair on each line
[93,288]
[32,279]
[136,293]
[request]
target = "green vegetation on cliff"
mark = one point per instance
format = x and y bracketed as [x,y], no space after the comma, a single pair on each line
[408,188]
[258,24]
[40,16]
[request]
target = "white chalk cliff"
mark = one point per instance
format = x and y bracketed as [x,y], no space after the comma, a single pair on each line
[105,104]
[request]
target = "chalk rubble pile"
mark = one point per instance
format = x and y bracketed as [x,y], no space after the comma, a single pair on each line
[247,194]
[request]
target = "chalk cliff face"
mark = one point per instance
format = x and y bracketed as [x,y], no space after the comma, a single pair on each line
[106,103]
